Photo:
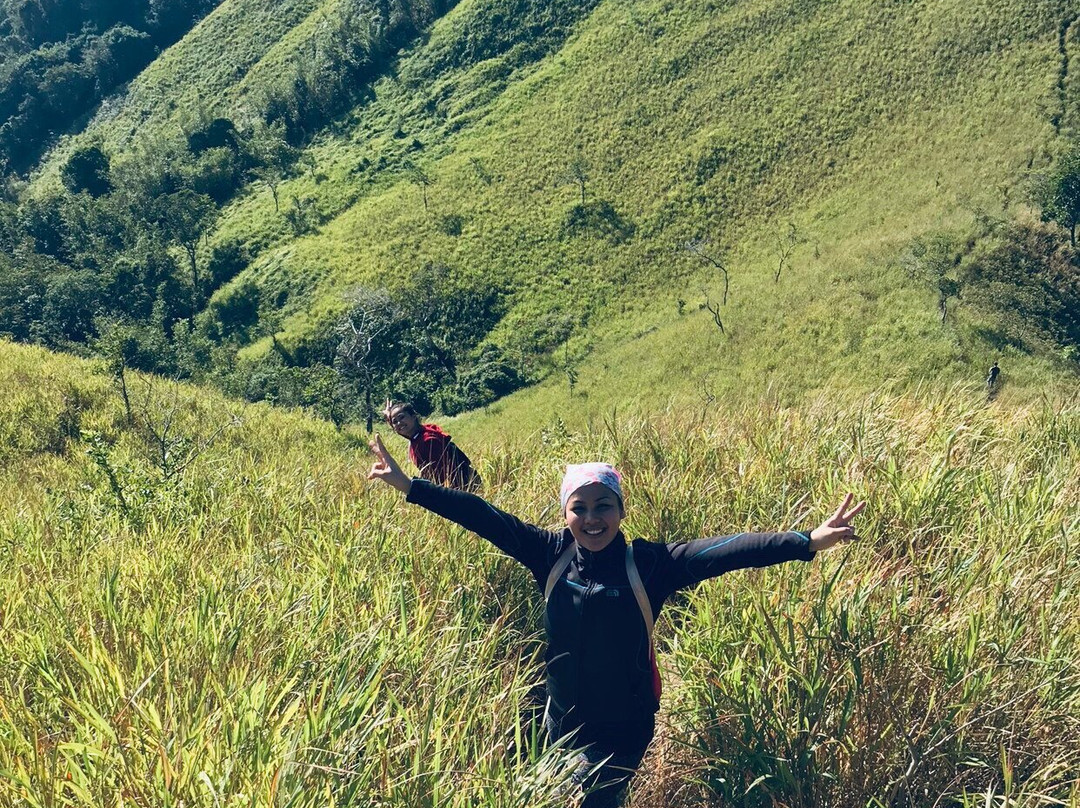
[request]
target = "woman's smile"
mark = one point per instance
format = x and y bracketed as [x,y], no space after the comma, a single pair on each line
[593,514]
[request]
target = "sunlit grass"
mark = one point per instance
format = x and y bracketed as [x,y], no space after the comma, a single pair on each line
[266,628]
[865,126]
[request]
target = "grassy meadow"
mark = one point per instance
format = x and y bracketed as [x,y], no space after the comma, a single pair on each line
[209,606]
[204,603]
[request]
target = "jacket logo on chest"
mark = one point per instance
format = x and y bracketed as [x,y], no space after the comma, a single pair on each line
[611,593]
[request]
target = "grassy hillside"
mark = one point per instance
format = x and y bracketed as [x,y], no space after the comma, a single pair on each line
[202,602]
[834,131]
[248,623]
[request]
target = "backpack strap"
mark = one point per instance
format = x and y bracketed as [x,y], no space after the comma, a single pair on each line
[559,567]
[639,591]
[647,615]
[561,563]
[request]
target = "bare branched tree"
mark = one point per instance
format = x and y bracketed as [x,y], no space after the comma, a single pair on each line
[706,388]
[168,447]
[714,309]
[785,246]
[421,178]
[713,257]
[370,316]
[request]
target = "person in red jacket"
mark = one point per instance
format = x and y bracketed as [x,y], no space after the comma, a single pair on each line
[431,450]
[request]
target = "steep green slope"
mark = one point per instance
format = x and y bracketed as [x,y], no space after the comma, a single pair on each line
[852,126]
[864,127]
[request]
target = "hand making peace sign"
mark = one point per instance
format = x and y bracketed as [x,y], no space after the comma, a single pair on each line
[385,468]
[837,527]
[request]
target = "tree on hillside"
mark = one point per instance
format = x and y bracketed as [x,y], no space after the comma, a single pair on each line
[273,155]
[785,246]
[422,179]
[1058,193]
[127,345]
[577,173]
[714,257]
[186,217]
[361,354]
[933,261]
[714,310]
[87,170]
[1027,279]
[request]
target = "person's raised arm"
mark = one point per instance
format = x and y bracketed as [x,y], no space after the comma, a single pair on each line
[531,545]
[694,561]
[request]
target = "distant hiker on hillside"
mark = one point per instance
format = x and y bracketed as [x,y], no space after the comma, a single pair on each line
[432,451]
[991,377]
[602,594]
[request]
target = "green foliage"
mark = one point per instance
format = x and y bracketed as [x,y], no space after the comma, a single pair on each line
[22,296]
[701,118]
[87,170]
[451,224]
[1029,286]
[1015,278]
[272,154]
[597,219]
[934,260]
[216,173]
[1058,193]
[64,57]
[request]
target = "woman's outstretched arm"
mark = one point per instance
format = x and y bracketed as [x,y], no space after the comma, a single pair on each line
[688,563]
[838,527]
[532,546]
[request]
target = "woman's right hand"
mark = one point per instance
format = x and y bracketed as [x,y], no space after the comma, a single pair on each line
[385,468]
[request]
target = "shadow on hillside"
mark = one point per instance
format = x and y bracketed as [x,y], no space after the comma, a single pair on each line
[598,219]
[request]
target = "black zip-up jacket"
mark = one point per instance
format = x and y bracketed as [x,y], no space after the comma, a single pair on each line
[598,666]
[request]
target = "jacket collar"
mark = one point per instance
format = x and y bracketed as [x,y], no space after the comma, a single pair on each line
[590,563]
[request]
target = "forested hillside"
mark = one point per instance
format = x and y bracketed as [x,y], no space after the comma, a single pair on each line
[321,202]
[60,58]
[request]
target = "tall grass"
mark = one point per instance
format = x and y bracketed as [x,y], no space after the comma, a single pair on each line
[264,628]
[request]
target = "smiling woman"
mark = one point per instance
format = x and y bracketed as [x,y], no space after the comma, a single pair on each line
[602,594]
[592,500]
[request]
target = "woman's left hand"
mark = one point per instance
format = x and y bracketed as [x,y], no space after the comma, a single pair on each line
[836,528]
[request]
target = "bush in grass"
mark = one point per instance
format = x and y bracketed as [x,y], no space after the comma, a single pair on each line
[87,170]
[598,219]
[1058,193]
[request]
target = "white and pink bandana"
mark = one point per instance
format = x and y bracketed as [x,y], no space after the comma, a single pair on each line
[581,474]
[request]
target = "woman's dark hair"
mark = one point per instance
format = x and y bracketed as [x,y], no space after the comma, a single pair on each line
[401,406]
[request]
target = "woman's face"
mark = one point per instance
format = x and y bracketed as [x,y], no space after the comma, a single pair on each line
[404,423]
[593,514]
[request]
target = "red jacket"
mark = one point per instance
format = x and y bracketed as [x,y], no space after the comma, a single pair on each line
[440,460]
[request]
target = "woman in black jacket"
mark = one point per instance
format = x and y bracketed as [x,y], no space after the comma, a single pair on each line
[602,596]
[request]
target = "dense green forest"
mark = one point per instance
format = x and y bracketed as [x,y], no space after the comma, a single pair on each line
[60,58]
